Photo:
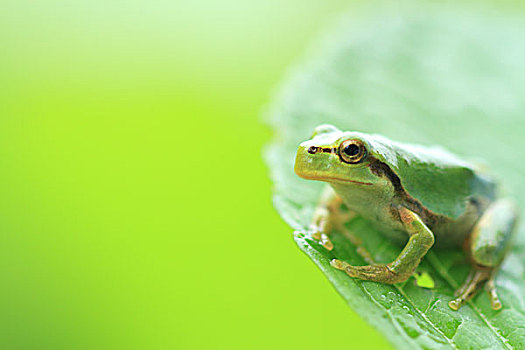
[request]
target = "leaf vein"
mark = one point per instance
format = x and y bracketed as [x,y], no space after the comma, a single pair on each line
[439,268]
[425,317]
[394,322]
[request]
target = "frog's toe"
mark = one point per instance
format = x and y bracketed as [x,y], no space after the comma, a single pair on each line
[456,303]
[465,284]
[326,242]
[472,285]
[323,240]
[338,264]
[495,303]
[377,273]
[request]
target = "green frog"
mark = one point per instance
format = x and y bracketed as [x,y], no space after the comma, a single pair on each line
[424,196]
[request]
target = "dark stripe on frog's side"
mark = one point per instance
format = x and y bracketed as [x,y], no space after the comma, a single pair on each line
[381,169]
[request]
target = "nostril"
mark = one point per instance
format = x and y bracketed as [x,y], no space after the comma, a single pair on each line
[312,150]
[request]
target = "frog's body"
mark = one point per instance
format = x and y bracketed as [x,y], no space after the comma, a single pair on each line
[447,203]
[409,191]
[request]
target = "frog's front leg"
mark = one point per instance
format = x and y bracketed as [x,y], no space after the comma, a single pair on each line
[399,270]
[327,215]
[489,241]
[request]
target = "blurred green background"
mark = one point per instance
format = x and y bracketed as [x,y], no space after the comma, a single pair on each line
[135,208]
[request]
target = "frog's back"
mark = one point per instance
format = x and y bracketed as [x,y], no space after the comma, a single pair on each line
[445,184]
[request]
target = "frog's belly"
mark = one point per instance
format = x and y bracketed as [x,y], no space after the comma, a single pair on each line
[393,230]
[453,234]
[447,233]
[450,233]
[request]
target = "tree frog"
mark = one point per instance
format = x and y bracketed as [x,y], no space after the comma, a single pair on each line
[424,196]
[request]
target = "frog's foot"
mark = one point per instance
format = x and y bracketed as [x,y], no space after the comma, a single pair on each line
[490,287]
[466,283]
[475,280]
[327,220]
[323,239]
[327,216]
[487,244]
[399,270]
[378,273]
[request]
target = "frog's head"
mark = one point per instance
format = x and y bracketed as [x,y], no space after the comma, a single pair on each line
[337,157]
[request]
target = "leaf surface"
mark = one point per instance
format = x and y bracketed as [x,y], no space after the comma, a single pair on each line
[432,76]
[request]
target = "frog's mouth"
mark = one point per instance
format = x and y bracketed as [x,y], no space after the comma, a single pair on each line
[328,178]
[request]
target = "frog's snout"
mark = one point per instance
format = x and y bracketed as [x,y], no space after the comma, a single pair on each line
[311,159]
[304,159]
[301,159]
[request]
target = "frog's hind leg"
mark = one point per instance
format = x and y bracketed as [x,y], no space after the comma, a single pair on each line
[489,241]
[473,283]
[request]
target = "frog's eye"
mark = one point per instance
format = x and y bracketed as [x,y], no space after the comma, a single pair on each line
[352,151]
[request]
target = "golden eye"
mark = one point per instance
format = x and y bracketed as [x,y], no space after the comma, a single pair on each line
[352,151]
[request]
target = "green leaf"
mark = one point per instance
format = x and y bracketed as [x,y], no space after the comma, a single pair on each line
[431,75]
[423,279]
